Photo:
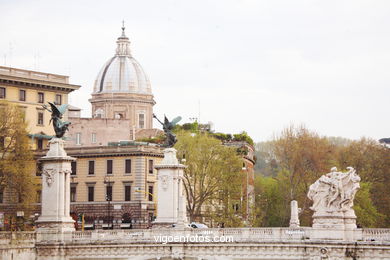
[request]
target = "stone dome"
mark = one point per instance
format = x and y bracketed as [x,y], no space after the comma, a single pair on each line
[122,73]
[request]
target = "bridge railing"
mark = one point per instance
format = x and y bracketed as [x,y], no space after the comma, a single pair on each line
[21,237]
[151,235]
[376,234]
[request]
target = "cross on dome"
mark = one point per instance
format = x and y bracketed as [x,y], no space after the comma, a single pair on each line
[123,28]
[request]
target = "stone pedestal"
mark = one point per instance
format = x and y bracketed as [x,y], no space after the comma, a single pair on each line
[171,202]
[294,219]
[56,189]
[335,226]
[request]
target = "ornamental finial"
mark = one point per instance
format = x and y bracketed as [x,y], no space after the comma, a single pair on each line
[123,48]
[123,28]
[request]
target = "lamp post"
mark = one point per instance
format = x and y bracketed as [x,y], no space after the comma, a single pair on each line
[108,199]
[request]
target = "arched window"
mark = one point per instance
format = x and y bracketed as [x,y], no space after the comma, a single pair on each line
[99,113]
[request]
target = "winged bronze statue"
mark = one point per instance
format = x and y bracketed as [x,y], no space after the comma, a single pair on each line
[168,127]
[57,112]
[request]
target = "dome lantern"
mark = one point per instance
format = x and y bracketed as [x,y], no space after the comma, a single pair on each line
[123,48]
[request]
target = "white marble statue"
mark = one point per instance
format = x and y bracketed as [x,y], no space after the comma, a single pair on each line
[334,191]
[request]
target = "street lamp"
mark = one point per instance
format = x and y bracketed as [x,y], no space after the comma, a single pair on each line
[108,199]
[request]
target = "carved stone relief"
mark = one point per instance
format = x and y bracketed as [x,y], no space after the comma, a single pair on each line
[49,173]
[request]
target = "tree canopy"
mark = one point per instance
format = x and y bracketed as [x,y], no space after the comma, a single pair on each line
[16,181]
[297,157]
[212,178]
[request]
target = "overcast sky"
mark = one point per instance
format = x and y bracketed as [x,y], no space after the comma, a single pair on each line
[249,65]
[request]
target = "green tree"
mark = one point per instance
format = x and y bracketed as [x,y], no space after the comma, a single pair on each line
[302,157]
[372,163]
[298,157]
[366,213]
[243,136]
[270,203]
[212,176]
[16,159]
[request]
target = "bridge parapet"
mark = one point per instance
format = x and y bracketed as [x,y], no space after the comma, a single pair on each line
[274,234]
[376,234]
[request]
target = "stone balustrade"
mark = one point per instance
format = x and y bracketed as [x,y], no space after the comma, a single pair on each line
[148,235]
[33,74]
[376,234]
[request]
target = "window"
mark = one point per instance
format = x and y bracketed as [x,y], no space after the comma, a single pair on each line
[150,194]
[91,193]
[118,116]
[58,99]
[93,138]
[40,144]
[39,169]
[150,166]
[40,118]
[2,142]
[74,168]
[91,167]
[41,97]
[73,194]
[109,192]
[22,95]
[99,113]
[23,111]
[151,217]
[127,192]
[1,196]
[78,138]
[141,120]
[127,166]
[38,198]
[109,166]
[2,92]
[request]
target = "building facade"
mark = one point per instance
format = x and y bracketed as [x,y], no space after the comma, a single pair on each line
[113,186]
[29,90]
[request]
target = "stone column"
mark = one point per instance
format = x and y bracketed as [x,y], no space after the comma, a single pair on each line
[171,200]
[56,189]
[294,219]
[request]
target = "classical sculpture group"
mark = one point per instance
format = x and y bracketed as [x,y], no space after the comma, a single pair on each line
[334,191]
